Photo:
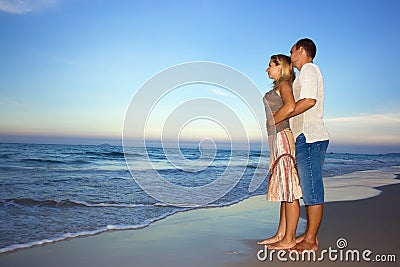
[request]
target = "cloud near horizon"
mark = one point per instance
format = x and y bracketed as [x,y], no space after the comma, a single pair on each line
[365,129]
[20,7]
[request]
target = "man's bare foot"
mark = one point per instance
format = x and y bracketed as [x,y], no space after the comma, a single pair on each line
[273,239]
[304,246]
[300,239]
[283,244]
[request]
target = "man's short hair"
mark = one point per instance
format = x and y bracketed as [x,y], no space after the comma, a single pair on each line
[308,45]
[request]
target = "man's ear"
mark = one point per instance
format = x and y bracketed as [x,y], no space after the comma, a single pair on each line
[301,50]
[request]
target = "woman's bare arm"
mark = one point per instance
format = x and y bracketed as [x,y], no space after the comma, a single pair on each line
[289,105]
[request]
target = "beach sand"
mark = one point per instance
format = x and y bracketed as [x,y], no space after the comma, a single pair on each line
[228,236]
[367,224]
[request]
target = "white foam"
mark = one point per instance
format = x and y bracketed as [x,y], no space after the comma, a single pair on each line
[112,205]
[360,184]
[85,233]
[47,241]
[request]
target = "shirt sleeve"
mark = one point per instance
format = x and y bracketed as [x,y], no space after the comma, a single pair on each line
[309,82]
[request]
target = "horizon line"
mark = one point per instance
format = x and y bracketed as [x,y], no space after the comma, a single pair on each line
[334,147]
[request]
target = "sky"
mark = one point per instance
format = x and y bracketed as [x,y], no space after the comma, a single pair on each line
[69,69]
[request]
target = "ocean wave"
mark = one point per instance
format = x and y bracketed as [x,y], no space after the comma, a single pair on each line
[71,235]
[107,228]
[43,161]
[80,161]
[69,203]
[113,154]
[106,154]
[256,154]
[252,166]
[84,233]
[52,161]
[171,171]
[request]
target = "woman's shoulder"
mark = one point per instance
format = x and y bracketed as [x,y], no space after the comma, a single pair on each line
[284,85]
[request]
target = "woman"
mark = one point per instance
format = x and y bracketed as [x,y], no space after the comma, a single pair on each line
[284,183]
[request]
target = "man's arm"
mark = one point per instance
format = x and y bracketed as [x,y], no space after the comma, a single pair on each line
[302,106]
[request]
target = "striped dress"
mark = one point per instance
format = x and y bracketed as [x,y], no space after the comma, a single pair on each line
[284,184]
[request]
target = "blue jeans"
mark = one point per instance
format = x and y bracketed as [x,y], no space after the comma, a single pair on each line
[310,158]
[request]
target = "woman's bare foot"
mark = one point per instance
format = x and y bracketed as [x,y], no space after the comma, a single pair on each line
[283,244]
[300,238]
[273,239]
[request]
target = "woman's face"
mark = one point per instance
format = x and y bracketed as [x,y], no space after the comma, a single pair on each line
[273,70]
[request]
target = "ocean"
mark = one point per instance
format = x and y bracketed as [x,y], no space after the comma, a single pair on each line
[50,193]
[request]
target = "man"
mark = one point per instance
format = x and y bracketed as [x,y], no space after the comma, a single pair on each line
[311,137]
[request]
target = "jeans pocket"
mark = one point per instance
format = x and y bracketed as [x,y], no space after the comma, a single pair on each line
[301,140]
[322,146]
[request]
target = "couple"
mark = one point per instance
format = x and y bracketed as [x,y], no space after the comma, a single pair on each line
[304,141]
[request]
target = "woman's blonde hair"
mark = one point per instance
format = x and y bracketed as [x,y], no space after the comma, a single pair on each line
[287,72]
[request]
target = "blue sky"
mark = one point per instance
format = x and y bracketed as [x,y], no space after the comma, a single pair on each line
[70,68]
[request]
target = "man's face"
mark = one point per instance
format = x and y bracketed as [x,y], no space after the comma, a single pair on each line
[294,55]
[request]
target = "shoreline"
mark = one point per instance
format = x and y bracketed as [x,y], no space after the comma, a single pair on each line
[106,229]
[222,236]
